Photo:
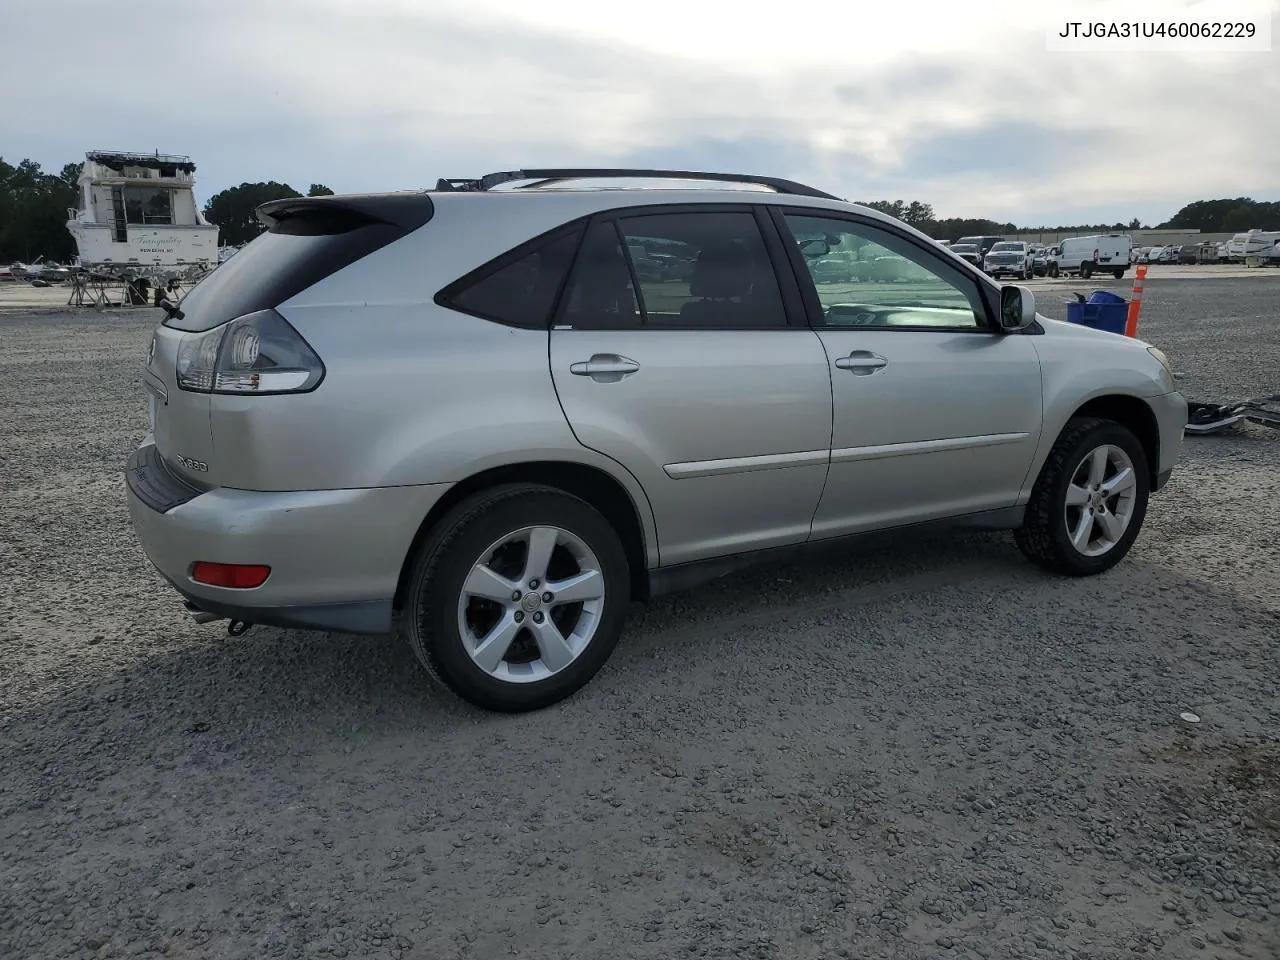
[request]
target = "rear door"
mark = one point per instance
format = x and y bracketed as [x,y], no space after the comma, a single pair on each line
[936,414]
[695,370]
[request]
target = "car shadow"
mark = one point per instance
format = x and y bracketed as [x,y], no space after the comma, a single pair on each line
[249,692]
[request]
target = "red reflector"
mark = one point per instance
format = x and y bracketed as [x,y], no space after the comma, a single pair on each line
[242,576]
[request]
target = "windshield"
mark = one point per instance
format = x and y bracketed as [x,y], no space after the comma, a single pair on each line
[964,248]
[1008,246]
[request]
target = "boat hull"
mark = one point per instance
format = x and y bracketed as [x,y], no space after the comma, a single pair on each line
[147,247]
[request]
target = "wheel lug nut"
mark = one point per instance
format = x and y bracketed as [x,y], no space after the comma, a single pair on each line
[515,594]
[537,617]
[519,616]
[548,597]
[533,584]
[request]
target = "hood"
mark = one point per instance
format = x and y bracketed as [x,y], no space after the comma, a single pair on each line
[1060,328]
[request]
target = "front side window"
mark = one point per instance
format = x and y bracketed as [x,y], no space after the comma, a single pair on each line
[865,276]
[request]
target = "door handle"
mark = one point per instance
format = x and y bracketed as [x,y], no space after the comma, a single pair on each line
[604,367]
[861,362]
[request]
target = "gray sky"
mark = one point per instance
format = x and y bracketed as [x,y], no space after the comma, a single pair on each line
[955,104]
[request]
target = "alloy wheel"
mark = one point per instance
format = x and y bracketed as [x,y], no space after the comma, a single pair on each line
[1100,501]
[531,604]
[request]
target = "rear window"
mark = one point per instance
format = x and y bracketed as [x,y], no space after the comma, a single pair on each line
[279,264]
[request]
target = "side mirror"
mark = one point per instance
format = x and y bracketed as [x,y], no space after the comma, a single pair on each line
[1017,308]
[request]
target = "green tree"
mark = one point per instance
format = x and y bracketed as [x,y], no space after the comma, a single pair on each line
[1227,215]
[33,214]
[319,190]
[234,209]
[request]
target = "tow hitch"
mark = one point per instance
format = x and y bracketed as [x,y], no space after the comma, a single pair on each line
[235,628]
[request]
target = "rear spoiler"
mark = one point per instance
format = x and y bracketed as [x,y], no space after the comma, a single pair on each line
[406,211]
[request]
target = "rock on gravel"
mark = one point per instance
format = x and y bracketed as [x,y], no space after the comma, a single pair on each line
[926,752]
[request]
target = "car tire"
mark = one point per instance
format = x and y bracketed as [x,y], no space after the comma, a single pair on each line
[1119,274]
[1086,270]
[1066,512]
[523,666]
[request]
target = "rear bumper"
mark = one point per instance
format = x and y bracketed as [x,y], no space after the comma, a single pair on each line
[335,555]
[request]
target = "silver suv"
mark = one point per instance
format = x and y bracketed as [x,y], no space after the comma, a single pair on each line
[492,414]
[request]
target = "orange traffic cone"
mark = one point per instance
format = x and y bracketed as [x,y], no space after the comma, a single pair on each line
[1135,303]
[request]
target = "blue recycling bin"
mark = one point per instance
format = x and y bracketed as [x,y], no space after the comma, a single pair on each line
[1104,310]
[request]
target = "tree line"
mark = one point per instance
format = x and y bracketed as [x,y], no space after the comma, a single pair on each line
[34,205]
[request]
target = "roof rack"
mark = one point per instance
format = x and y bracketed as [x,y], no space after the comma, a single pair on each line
[544,177]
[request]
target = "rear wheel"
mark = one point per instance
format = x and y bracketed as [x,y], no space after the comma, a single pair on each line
[1089,501]
[1086,270]
[517,598]
[1119,274]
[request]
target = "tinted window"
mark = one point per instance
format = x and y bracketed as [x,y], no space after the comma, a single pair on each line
[521,292]
[601,293]
[869,277]
[703,269]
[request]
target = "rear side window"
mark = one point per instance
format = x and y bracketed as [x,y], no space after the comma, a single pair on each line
[602,294]
[704,269]
[518,289]
[694,270]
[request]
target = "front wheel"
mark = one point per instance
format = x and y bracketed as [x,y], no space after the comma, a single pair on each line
[1089,501]
[517,598]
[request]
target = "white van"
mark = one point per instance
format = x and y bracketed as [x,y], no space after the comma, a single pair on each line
[1101,253]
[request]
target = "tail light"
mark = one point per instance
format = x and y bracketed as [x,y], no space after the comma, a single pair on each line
[259,353]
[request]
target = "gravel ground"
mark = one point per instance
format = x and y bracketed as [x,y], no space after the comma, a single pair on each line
[928,752]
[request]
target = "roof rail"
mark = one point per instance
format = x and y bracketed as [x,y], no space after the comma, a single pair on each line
[543,177]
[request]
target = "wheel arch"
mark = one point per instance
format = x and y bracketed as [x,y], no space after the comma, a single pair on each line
[590,483]
[1134,414]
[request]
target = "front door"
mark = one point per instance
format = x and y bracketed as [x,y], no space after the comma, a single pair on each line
[936,414]
[672,354]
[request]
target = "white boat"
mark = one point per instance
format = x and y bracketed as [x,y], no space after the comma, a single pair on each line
[136,214]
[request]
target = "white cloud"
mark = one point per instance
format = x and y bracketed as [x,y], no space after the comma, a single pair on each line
[955,104]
